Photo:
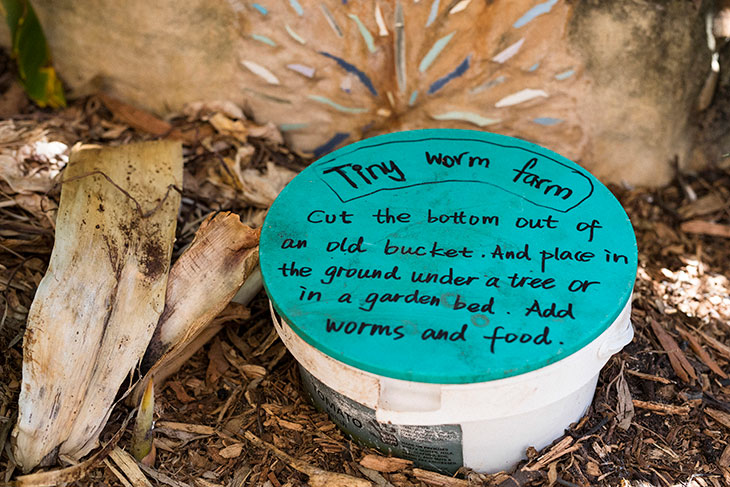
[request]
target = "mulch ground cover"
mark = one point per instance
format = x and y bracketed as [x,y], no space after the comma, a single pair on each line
[661,413]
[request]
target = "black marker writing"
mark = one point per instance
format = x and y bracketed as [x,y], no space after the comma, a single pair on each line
[384,216]
[462,218]
[421,251]
[355,174]
[541,339]
[338,271]
[561,255]
[534,180]
[455,160]
[292,270]
[548,222]
[455,336]
[319,216]
[363,328]
[551,311]
[590,227]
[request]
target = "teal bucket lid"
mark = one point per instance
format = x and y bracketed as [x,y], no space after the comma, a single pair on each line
[447,256]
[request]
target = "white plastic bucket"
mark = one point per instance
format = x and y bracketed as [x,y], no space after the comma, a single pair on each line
[498,419]
[450,295]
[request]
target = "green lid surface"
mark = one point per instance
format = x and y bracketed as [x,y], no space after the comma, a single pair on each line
[447,256]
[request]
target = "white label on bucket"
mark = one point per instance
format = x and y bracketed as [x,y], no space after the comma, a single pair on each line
[436,447]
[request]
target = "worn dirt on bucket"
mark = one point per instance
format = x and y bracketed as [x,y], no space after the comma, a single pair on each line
[646,424]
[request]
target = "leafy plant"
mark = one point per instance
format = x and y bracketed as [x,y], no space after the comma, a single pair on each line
[31,53]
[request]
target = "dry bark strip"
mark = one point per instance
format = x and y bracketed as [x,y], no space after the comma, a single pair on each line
[624,407]
[437,479]
[719,416]
[724,460]
[161,478]
[653,378]
[317,476]
[129,467]
[658,407]
[563,447]
[706,228]
[679,362]
[198,429]
[384,464]
[702,354]
[720,347]
[97,306]
[379,480]
[533,470]
[202,282]
[146,122]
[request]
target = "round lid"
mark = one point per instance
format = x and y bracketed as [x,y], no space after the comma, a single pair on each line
[447,256]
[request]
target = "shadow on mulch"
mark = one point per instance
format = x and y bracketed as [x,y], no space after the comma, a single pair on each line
[678,431]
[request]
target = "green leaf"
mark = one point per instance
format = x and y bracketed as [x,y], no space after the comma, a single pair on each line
[31,53]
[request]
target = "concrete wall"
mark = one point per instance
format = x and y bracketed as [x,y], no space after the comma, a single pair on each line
[612,85]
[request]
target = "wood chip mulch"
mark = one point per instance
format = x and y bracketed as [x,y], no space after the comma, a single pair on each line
[235,415]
